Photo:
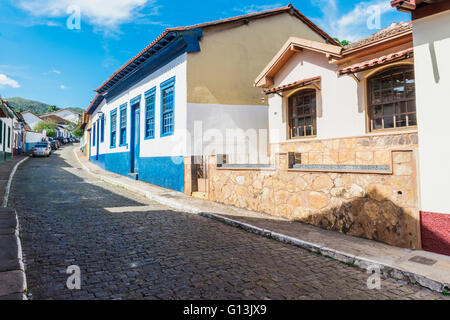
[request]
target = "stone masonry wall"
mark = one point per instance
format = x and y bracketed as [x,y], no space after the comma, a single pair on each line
[353,199]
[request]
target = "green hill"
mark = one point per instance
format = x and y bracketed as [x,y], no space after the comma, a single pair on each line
[21,104]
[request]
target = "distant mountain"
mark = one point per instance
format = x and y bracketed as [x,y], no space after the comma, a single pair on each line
[21,104]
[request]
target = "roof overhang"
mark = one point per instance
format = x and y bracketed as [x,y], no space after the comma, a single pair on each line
[295,85]
[290,48]
[374,47]
[373,63]
[421,8]
[95,103]
[181,41]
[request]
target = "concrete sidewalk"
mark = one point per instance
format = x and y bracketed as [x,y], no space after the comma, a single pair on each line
[12,273]
[416,267]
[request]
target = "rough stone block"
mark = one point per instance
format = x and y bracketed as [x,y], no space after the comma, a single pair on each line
[12,282]
[403,169]
[402,157]
[9,253]
[7,231]
[10,222]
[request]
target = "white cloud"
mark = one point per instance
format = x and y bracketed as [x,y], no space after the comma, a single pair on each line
[352,25]
[55,71]
[6,81]
[102,13]
[255,8]
[63,87]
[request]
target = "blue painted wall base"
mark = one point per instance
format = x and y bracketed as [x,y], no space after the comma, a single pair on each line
[166,172]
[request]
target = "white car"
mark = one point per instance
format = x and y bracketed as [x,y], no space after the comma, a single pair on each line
[42,149]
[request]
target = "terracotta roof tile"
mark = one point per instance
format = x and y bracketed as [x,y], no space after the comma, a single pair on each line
[287,8]
[293,85]
[376,62]
[393,30]
[55,118]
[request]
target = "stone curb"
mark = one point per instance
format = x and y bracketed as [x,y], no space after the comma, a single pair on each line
[387,271]
[13,284]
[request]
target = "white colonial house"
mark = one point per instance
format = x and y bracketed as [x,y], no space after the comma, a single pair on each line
[431,35]
[184,92]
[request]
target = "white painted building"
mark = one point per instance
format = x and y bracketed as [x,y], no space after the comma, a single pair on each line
[431,35]
[181,98]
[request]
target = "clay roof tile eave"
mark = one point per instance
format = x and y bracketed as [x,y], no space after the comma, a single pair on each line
[228,20]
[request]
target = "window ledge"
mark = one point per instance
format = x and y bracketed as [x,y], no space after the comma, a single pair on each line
[167,135]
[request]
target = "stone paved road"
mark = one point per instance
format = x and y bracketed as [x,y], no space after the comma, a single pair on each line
[130,248]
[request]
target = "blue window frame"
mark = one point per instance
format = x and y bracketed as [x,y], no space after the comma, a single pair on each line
[168,107]
[123,125]
[102,129]
[93,136]
[113,137]
[150,97]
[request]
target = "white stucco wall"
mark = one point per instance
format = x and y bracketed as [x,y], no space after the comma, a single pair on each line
[9,124]
[32,137]
[338,111]
[174,145]
[227,129]
[432,67]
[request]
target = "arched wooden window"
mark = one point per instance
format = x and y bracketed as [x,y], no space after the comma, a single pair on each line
[302,114]
[392,98]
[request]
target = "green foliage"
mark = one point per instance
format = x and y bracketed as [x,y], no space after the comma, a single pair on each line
[77,132]
[21,104]
[343,42]
[48,126]
[52,108]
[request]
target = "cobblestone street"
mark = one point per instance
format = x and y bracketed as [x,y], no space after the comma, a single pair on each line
[130,248]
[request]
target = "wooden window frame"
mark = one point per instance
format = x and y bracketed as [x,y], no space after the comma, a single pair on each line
[150,110]
[313,114]
[123,126]
[167,109]
[113,129]
[395,101]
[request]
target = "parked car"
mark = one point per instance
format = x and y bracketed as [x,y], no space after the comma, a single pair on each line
[53,145]
[42,149]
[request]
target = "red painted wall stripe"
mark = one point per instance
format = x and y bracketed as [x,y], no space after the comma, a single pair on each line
[435,229]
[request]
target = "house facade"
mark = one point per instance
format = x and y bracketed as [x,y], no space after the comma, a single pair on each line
[9,120]
[159,111]
[343,140]
[431,35]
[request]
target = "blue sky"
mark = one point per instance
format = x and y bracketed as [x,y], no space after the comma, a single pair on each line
[42,59]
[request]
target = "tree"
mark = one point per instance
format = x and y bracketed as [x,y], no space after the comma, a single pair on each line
[48,126]
[52,108]
[343,42]
[76,130]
